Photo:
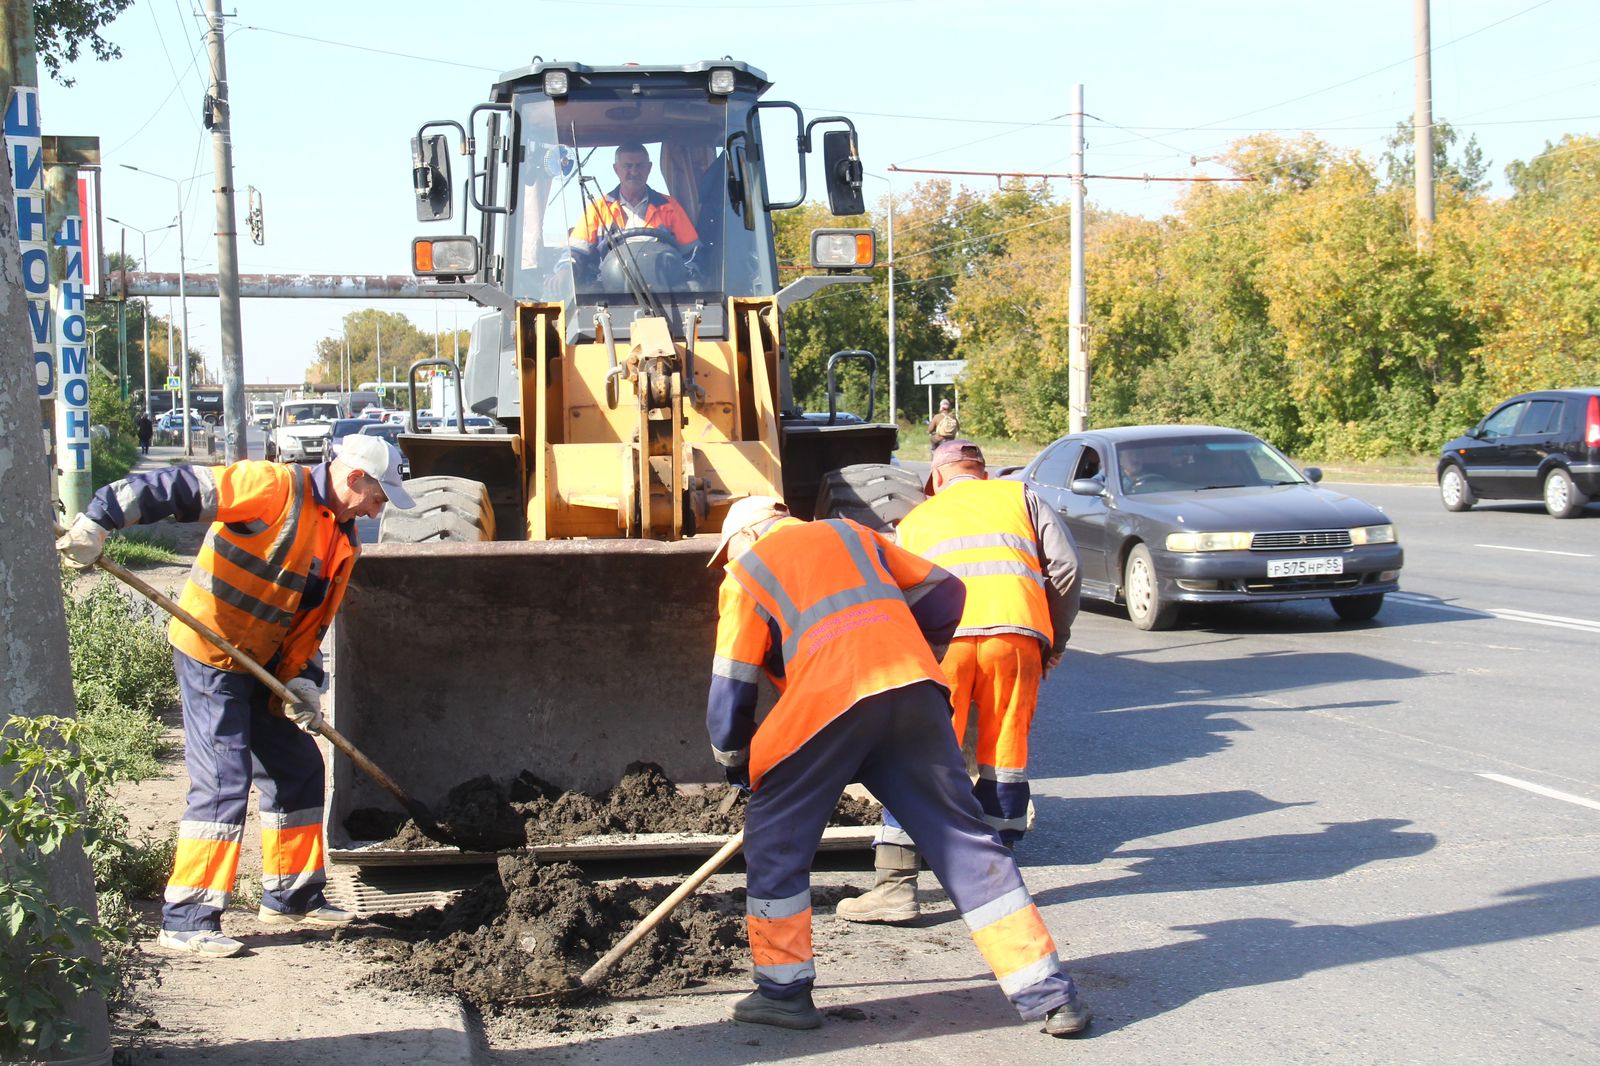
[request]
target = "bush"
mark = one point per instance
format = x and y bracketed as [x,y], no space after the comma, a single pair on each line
[138,547]
[50,953]
[122,675]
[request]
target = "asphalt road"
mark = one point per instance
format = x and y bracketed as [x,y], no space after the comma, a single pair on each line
[1268,837]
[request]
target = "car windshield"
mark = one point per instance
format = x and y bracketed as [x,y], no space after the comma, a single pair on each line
[1199,464]
[311,412]
[576,239]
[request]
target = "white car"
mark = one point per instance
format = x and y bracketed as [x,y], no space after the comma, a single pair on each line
[261,412]
[301,430]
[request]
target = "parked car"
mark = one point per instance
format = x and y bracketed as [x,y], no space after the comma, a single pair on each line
[261,413]
[172,422]
[1537,446]
[1171,515]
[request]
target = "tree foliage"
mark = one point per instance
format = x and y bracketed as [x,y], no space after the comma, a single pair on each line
[61,29]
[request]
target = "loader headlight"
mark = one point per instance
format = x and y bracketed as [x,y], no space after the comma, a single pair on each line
[555,83]
[1372,535]
[1208,542]
[436,257]
[843,249]
[721,82]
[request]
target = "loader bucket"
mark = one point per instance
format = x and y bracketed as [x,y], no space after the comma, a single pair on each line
[570,659]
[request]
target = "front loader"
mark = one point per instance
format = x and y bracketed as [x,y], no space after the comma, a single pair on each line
[546,606]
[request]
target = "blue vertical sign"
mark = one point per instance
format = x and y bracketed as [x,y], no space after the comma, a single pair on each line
[23,133]
[72,398]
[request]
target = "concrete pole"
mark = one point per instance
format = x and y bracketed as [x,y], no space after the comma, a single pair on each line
[235,414]
[893,361]
[35,670]
[144,252]
[122,331]
[1077,349]
[183,303]
[377,333]
[75,480]
[1422,126]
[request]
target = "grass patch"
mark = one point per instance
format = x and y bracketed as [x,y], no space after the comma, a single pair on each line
[111,460]
[139,547]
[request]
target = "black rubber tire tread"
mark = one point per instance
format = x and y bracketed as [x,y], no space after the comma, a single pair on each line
[1358,608]
[1147,613]
[1574,498]
[448,510]
[877,495]
[1465,499]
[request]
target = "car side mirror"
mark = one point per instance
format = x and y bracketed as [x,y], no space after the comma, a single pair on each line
[1088,486]
[1313,474]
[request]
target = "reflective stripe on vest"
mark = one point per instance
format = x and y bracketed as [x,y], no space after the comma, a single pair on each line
[981,532]
[846,630]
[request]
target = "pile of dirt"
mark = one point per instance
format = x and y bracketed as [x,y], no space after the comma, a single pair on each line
[529,811]
[530,929]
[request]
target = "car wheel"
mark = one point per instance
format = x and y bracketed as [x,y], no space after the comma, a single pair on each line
[1454,491]
[1358,608]
[1141,590]
[1561,497]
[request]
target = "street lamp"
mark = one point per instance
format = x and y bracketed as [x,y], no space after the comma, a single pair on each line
[144,264]
[183,300]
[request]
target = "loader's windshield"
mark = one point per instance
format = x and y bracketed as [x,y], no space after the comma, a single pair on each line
[623,204]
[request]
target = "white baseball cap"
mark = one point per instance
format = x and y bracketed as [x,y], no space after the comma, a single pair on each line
[378,458]
[745,513]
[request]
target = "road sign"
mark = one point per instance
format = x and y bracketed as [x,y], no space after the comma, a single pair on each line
[938,371]
[174,383]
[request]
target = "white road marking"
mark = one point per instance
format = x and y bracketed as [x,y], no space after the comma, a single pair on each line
[1535,551]
[1540,790]
[1508,614]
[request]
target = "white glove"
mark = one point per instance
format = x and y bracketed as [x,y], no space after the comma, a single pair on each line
[83,543]
[306,710]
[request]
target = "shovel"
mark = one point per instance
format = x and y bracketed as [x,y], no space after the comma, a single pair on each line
[420,814]
[592,977]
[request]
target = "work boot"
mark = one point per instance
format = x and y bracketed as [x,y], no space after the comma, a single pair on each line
[326,914]
[797,1012]
[893,898]
[1069,1019]
[208,942]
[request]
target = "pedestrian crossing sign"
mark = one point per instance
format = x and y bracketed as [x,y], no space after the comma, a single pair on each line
[174,384]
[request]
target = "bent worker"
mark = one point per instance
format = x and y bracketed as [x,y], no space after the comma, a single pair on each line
[634,205]
[1020,567]
[269,577]
[841,620]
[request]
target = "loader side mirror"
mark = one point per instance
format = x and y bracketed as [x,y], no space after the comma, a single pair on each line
[430,176]
[842,164]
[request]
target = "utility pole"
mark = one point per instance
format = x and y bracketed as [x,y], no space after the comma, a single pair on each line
[122,327]
[894,416]
[377,333]
[219,120]
[1077,349]
[1422,126]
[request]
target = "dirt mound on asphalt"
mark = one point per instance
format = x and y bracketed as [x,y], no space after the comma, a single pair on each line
[530,929]
[527,810]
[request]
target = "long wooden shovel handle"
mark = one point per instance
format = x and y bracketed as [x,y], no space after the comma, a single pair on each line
[596,973]
[262,674]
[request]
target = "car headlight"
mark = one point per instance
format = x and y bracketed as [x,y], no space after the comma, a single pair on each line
[1209,542]
[1373,535]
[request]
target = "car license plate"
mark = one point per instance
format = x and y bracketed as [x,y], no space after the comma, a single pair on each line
[1305,567]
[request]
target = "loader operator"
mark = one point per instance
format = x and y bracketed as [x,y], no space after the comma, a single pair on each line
[1020,568]
[842,620]
[634,205]
[268,578]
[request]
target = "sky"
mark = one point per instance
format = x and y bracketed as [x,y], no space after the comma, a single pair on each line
[326,97]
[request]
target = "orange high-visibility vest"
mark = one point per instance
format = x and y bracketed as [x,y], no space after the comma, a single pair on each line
[271,534]
[846,630]
[980,531]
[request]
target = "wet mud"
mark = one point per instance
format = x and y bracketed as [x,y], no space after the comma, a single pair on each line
[497,815]
[530,929]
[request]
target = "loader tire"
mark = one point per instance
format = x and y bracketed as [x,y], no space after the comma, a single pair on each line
[875,494]
[448,510]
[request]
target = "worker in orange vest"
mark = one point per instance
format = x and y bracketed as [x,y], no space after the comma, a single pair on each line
[634,205]
[847,625]
[1020,568]
[268,578]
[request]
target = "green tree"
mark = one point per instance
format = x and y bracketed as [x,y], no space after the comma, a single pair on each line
[61,29]
[1468,173]
[402,344]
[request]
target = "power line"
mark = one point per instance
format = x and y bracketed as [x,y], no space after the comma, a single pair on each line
[374,51]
